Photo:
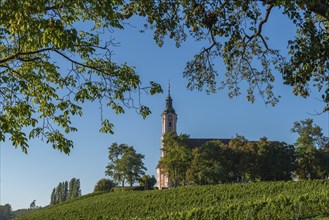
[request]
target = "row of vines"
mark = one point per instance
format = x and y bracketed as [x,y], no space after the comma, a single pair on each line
[262,200]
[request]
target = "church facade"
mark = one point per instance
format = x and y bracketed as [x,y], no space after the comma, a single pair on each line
[169,124]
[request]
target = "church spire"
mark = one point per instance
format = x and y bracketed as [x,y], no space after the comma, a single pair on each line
[169,108]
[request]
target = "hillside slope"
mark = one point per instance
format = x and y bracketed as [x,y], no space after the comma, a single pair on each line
[264,200]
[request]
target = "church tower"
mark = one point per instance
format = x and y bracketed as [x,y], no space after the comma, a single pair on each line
[169,123]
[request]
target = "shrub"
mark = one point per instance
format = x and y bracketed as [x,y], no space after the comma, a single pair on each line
[104,185]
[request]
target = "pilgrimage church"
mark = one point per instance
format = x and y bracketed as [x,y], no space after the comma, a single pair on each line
[169,124]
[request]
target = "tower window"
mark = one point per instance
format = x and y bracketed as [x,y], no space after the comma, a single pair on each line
[170,124]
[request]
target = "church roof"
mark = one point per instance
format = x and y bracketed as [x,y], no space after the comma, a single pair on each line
[198,142]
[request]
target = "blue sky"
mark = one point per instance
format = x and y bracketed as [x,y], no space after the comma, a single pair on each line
[25,178]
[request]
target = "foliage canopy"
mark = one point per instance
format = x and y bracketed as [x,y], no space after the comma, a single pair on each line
[65,191]
[125,164]
[147,182]
[104,185]
[234,30]
[311,150]
[52,60]
[177,157]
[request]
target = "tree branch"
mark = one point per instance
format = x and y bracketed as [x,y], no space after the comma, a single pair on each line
[17,55]
[318,7]
[260,26]
[76,62]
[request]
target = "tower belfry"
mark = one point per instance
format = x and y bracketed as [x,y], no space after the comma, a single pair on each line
[169,116]
[169,124]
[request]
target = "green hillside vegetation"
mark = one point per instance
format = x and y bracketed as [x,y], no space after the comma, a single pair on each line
[22,212]
[260,200]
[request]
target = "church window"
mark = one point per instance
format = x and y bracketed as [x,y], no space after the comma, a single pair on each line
[170,124]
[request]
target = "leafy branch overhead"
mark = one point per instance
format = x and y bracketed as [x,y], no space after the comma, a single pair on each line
[56,55]
[234,30]
[52,60]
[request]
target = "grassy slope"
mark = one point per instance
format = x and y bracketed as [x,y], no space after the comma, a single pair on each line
[277,200]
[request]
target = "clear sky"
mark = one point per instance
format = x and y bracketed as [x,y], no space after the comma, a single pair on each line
[25,178]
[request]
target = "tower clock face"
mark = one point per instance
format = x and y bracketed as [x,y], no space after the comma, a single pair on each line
[170,117]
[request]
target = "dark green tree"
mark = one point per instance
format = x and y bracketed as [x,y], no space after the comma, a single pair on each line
[115,168]
[244,160]
[125,164]
[74,188]
[276,160]
[32,205]
[53,197]
[249,161]
[71,187]
[234,159]
[308,153]
[65,191]
[147,182]
[104,185]
[133,165]
[59,190]
[76,191]
[206,166]
[38,97]
[324,160]
[241,160]
[233,32]
[229,159]
[5,212]
[177,158]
